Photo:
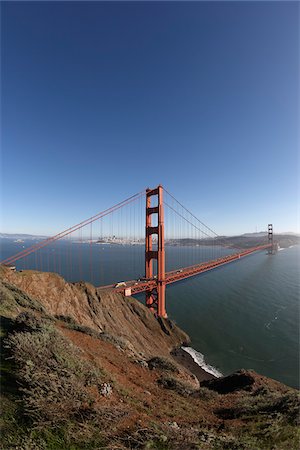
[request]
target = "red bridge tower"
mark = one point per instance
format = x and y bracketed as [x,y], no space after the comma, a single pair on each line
[155,298]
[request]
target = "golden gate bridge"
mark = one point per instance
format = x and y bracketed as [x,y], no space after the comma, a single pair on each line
[152,218]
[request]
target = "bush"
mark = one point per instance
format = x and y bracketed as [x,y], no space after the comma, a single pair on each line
[83,329]
[174,384]
[158,362]
[106,337]
[266,403]
[206,394]
[66,319]
[20,297]
[27,321]
[114,340]
[54,379]
[7,301]
[286,405]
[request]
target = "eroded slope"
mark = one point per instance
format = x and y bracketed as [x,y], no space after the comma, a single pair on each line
[99,310]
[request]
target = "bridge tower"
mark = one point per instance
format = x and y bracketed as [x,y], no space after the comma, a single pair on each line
[155,298]
[270,239]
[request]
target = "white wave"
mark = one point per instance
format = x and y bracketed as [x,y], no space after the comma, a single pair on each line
[199,359]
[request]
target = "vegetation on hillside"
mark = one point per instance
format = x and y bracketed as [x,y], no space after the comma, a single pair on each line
[65,386]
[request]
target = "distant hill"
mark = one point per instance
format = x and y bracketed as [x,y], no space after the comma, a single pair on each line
[21,236]
[259,234]
[251,240]
[242,241]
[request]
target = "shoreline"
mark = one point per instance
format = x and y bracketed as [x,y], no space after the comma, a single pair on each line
[186,360]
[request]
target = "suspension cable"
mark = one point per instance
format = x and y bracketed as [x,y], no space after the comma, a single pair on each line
[70,230]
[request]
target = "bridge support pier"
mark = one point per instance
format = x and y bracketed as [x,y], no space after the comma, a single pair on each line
[155,298]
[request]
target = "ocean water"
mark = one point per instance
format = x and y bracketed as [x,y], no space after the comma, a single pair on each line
[242,315]
[245,314]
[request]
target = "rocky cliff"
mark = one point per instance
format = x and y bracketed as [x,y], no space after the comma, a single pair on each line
[100,310]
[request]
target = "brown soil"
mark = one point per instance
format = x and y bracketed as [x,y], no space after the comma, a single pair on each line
[137,386]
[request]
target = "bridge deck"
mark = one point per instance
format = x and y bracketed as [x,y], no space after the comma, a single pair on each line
[135,287]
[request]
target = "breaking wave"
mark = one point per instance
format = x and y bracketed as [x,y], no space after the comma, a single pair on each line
[199,359]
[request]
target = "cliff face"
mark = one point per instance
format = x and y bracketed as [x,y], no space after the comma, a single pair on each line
[100,310]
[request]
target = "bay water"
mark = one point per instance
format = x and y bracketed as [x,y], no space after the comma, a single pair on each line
[241,315]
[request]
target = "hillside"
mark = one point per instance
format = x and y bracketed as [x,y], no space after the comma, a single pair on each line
[243,241]
[87,370]
[102,311]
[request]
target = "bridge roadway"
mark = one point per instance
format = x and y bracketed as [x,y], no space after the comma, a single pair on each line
[137,286]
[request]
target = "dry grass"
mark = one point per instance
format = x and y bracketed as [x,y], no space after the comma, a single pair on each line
[56,383]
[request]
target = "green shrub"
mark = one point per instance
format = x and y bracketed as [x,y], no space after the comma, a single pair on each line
[114,340]
[27,321]
[159,362]
[9,292]
[53,378]
[176,385]
[265,403]
[7,300]
[67,319]
[83,329]
[206,394]
[103,336]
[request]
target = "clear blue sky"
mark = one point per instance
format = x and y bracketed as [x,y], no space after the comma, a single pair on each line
[100,100]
